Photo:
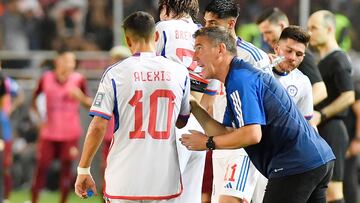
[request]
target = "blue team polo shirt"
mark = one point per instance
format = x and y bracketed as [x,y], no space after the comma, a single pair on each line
[289,145]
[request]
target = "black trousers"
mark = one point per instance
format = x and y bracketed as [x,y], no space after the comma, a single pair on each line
[300,188]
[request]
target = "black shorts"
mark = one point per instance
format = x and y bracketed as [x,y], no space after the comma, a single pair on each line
[300,188]
[335,134]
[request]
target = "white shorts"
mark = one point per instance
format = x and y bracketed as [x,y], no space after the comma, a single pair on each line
[191,166]
[234,175]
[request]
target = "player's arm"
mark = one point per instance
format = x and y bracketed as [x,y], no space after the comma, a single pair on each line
[339,104]
[319,92]
[184,113]
[94,137]
[81,94]
[239,138]
[35,94]
[210,125]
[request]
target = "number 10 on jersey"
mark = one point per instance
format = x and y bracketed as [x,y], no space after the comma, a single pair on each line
[136,102]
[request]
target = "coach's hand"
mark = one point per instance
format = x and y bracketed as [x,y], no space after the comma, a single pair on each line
[83,184]
[196,141]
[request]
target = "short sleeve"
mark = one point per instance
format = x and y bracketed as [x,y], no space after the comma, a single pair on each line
[342,75]
[245,100]
[185,105]
[103,103]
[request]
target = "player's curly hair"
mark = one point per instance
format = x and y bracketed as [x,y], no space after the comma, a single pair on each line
[180,7]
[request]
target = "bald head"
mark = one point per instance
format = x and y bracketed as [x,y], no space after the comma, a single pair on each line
[321,26]
[325,17]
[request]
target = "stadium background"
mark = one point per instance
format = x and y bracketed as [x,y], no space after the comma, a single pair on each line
[92,28]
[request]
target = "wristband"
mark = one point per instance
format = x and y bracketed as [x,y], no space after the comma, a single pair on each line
[83,171]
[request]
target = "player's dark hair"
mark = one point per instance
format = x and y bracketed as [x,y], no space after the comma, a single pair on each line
[218,35]
[140,24]
[296,33]
[273,15]
[180,7]
[223,8]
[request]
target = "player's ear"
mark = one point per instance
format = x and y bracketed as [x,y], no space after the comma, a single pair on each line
[282,25]
[232,23]
[222,48]
[277,48]
[128,41]
[156,36]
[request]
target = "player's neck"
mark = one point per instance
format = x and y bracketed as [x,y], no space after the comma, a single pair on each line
[329,47]
[226,63]
[142,47]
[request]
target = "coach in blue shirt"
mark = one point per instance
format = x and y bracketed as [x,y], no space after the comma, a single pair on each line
[262,118]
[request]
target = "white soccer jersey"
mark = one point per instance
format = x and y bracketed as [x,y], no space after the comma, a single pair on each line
[146,93]
[253,55]
[299,88]
[176,42]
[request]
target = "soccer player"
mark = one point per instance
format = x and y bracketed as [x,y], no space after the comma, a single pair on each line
[147,94]
[335,69]
[176,42]
[64,91]
[292,43]
[277,138]
[224,13]
[271,23]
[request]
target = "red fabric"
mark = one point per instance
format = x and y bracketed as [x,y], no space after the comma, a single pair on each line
[208,174]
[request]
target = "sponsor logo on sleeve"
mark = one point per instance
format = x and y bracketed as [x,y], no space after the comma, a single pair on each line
[98,99]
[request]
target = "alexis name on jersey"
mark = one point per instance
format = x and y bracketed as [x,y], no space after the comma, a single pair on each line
[152,76]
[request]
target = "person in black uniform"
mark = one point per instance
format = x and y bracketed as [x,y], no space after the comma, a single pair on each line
[335,69]
[271,23]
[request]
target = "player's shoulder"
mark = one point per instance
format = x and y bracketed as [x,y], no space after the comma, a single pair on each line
[300,76]
[248,50]
[166,25]
[172,65]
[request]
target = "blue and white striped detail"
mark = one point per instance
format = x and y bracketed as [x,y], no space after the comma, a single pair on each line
[235,96]
[250,48]
[243,175]
[115,111]
[163,52]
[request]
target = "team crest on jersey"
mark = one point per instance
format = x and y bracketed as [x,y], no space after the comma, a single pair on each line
[98,99]
[292,90]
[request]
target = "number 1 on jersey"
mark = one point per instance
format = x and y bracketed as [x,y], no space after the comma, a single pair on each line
[136,102]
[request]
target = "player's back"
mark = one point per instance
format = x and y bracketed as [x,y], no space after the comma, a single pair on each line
[176,41]
[142,161]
